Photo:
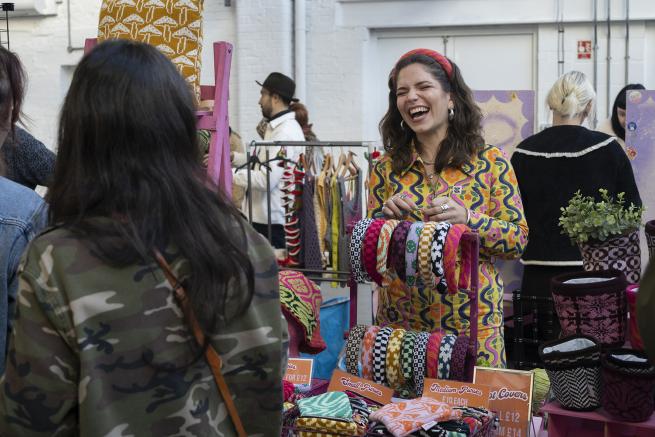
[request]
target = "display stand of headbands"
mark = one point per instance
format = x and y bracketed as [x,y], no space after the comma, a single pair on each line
[381,354]
[400,358]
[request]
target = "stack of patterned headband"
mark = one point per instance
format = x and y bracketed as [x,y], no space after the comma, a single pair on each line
[402,359]
[328,414]
[418,253]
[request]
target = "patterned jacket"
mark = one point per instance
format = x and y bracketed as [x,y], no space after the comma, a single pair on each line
[487,187]
[105,351]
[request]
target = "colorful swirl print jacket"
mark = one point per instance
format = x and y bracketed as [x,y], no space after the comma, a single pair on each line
[486,186]
[104,351]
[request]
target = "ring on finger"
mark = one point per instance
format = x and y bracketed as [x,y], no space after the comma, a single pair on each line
[444,207]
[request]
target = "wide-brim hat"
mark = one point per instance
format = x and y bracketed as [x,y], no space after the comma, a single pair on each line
[281,85]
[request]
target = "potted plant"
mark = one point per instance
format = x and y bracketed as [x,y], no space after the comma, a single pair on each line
[606,231]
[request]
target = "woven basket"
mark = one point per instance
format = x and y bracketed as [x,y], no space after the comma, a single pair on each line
[628,385]
[573,366]
[621,252]
[592,303]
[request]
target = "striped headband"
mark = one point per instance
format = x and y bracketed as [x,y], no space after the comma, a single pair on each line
[438,57]
[356,242]
[384,240]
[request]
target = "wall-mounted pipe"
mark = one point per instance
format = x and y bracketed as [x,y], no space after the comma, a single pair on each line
[70,47]
[609,57]
[300,47]
[560,38]
[627,41]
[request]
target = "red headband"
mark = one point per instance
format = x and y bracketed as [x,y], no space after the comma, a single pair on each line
[441,59]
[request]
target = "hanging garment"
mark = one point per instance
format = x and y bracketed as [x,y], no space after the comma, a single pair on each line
[175,28]
[309,293]
[351,213]
[311,249]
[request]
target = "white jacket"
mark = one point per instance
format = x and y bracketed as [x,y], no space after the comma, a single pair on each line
[282,128]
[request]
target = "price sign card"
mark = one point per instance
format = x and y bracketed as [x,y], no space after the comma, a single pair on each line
[457,394]
[299,372]
[510,395]
[342,381]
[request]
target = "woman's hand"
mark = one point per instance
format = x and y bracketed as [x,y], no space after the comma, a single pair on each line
[398,206]
[445,209]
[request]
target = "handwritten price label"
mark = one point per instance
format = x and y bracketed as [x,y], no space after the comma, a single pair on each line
[510,396]
[299,372]
[459,394]
[342,381]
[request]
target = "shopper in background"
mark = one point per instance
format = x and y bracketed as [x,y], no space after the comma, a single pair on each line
[276,95]
[615,125]
[551,166]
[102,344]
[23,213]
[437,160]
[27,161]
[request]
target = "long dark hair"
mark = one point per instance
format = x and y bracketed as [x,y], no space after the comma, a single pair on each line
[128,179]
[619,102]
[464,136]
[302,117]
[12,87]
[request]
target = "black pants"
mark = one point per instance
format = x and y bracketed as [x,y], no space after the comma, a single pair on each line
[277,234]
[536,282]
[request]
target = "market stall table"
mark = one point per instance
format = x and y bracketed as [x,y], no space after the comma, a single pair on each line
[568,423]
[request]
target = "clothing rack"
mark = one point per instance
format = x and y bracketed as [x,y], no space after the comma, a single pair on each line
[267,144]
[341,277]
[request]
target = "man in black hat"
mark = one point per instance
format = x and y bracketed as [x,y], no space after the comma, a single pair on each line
[276,95]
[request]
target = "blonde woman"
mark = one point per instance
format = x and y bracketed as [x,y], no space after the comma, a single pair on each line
[551,166]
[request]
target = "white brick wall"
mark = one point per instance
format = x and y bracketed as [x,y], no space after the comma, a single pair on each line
[42,42]
[337,51]
[263,45]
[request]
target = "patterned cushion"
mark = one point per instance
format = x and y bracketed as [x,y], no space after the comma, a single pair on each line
[330,405]
[173,26]
[403,418]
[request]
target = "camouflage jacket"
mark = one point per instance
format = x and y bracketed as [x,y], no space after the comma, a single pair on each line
[104,351]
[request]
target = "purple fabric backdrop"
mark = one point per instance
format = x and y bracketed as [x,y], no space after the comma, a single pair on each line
[640,145]
[509,118]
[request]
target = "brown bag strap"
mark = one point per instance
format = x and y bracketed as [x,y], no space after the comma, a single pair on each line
[211,355]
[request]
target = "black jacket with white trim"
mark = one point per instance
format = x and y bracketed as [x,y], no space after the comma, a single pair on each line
[550,167]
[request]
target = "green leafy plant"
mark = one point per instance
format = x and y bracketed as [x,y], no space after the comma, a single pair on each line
[586,219]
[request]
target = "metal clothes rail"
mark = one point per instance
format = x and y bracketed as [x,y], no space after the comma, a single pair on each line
[341,277]
[268,144]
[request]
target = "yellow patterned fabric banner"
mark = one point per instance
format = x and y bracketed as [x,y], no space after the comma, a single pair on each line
[173,26]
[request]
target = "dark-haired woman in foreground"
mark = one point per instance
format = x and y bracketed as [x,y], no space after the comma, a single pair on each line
[437,160]
[101,346]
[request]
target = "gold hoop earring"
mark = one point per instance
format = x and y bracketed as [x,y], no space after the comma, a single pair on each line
[451,114]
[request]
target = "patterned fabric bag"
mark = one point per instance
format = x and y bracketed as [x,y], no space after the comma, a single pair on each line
[622,253]
[296,284]
[650,238]
[573,366]
[592,303]
[628,385]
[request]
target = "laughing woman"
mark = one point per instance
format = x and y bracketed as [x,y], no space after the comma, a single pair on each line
[438,168]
